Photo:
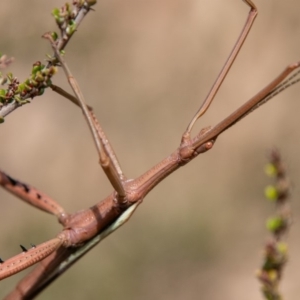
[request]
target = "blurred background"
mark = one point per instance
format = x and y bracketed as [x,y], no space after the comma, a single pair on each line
[145,67]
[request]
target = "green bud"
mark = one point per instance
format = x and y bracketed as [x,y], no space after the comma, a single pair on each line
[35,69]
[282,248]
[271,193]
[1,120]
[55,12]
[71,28]
[53,70]
[54,35]
[271,170]
[58,18]
[68,8]
[45,71]
[275,224]
[41,91]
[33,82]
[39,77]
[272,275]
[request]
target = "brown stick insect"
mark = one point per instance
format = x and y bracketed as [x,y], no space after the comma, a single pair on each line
[84,229]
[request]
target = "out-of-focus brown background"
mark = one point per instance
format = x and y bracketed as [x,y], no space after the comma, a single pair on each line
[145,67]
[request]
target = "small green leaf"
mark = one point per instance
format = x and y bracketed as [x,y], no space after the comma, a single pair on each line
[2,92]
[54,35]
[3,80]
[21,101]
[10,76]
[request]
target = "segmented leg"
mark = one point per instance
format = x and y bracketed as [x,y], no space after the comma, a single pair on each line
[108,159]
[32,196]
[214,89]
[290,76]
[96,125]
[28,257]
[60,260]
[32,284]
[98,128]
[40,200]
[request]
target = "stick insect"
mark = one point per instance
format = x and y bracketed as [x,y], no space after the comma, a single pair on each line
[83,230]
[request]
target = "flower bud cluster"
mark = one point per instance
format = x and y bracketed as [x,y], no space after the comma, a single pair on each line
[34,85]
[66,15]
[276,251]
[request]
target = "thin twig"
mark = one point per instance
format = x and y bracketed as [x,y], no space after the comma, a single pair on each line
[61,44]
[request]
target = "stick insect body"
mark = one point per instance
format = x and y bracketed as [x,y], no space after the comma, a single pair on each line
[84,229]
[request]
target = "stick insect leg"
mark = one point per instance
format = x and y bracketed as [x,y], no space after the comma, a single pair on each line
[214,89]
[29,286]
[61,260]
[32,196]
[96,124]
[108,159]
[28,257]
[287,78]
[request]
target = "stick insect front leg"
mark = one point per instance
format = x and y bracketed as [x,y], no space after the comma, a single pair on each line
[223,73]
[107,157]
